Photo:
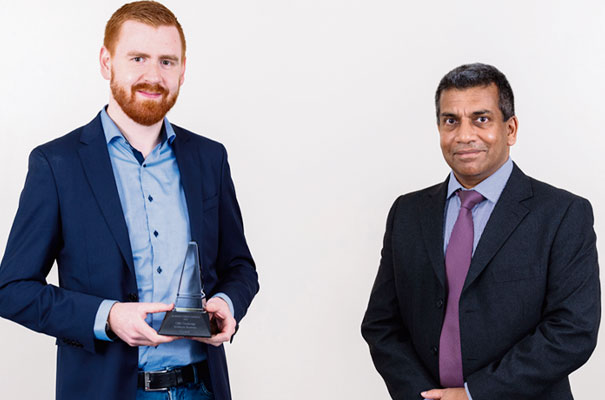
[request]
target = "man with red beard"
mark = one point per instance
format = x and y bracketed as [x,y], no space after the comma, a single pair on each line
[115,204]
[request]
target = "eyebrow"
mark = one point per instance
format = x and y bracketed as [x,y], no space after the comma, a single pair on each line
[447,115]
[171,58]
[474,113]
[145,55]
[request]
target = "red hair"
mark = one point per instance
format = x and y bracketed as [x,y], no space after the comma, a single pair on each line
[147,12]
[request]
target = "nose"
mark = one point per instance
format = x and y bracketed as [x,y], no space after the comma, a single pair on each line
[152,73]
[466,131]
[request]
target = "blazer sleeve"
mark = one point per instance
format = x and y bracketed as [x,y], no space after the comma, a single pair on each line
[34,243]
[387,335]
[236,271]
[567,334]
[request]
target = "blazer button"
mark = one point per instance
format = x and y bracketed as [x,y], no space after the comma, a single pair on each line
[132,297]
[439,303]
[435,350]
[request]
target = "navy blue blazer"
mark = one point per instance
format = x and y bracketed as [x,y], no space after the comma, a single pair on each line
[70,212]
[529,308]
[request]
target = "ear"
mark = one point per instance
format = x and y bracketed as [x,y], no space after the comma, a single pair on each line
[105,62]
[511,130]
[182,77]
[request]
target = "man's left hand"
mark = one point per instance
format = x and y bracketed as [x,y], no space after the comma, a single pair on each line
[221,317]
[445,394]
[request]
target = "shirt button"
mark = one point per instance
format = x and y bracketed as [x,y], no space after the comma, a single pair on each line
[133,297]
[155,233]
[439,303]
[159,270]
[144,165]
[435,350]
[150,198]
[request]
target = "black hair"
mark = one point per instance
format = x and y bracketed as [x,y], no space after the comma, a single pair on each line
[478,74]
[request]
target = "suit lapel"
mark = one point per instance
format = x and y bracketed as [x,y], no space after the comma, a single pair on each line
[431,217]
[505,218]
[191,179]
[97,167]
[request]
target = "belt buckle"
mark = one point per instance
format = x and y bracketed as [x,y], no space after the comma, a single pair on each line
[148,381]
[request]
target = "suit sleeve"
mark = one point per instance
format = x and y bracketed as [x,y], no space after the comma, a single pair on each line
[33,246]
[567,333]
[387,335]
[235,267]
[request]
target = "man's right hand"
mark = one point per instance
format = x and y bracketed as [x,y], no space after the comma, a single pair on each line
[127,320]
[458,393]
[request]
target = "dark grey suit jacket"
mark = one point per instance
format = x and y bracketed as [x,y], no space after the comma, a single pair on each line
[529,309]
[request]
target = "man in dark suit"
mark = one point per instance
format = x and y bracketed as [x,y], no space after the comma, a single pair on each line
[115,204]
[488,285]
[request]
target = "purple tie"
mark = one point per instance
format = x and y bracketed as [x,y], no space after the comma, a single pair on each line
[457,261]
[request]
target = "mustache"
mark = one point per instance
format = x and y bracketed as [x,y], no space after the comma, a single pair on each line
[149,87]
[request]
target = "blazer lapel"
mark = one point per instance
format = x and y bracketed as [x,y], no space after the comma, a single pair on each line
[505,218]
[432,213]
[191,179]
[97,167]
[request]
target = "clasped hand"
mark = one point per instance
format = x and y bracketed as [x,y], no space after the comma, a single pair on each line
[445,394]
[127,321]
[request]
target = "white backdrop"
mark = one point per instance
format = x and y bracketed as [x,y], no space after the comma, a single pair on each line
[326,108]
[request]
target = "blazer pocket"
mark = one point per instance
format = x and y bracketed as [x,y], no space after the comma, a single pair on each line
[210,202]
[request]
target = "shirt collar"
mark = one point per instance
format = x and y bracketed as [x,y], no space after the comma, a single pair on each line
[490,188]
[111,130]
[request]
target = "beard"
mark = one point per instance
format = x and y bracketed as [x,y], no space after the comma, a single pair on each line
[144,112]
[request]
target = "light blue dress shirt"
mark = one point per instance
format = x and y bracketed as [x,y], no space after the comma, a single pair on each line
[155,211]
[491,188]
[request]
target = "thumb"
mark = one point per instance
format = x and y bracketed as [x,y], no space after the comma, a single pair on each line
[151,308]
[215,304]
[211,306]
[434,394]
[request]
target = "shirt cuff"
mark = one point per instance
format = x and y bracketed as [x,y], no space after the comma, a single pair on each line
[227,300]
[101,320]
[468,393]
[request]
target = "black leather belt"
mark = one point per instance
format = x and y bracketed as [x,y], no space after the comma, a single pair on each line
[163,380]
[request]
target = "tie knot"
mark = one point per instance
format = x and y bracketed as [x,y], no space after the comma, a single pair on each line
[470,198]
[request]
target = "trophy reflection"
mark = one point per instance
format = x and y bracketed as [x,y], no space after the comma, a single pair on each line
[189,316]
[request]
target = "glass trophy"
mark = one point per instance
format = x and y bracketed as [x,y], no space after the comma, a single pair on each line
[189,316]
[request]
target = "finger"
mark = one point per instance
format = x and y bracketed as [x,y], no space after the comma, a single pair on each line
[149,335]
[220,306]
[434,394]
[220,315]
[220,325]
[218,338]
[153,341]
[151,338]
[213,306]
[227,329]
[227,326]
[151,308]
[221,337]
[211,341]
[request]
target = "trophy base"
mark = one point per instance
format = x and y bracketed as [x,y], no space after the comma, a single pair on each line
[186,323]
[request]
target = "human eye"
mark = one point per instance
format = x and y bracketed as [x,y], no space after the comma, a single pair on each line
[449,121]
[137,59]
[482,119]
[167,63]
